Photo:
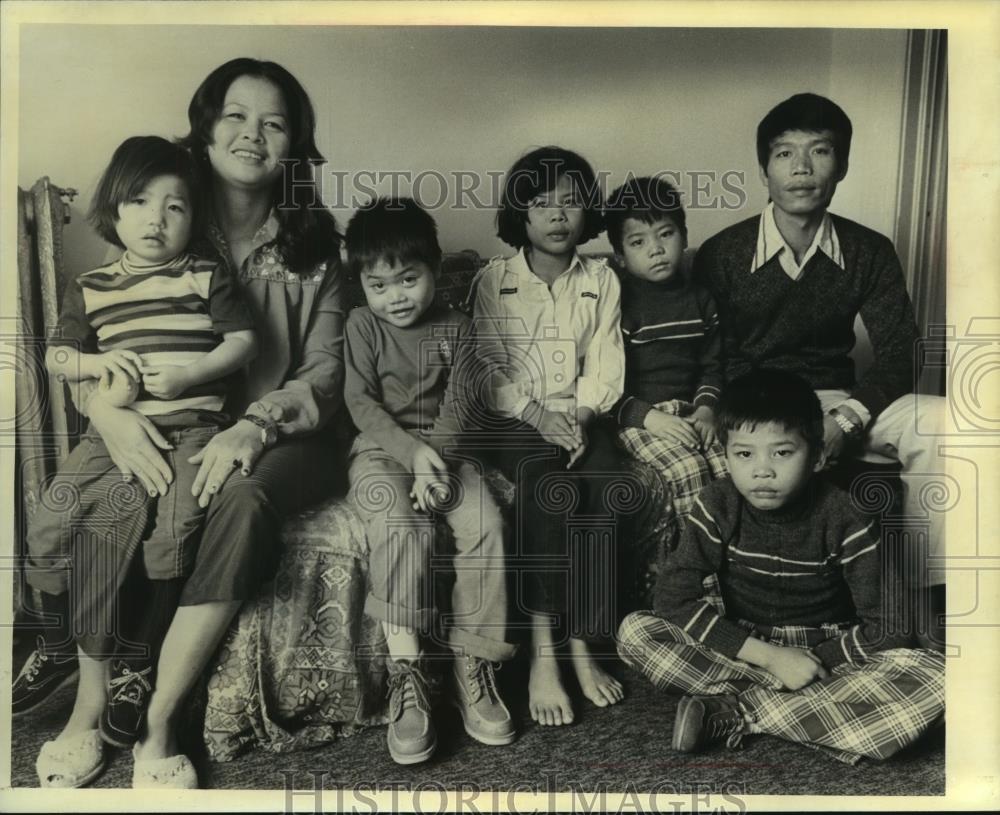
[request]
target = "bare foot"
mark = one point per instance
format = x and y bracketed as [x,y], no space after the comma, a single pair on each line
[547,699]
[597,685]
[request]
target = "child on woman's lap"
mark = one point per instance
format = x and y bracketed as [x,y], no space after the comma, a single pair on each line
[161,329]
[673,369]
[547,325]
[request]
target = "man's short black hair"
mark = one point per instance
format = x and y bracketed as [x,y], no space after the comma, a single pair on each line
[138,161]
[766,396]
[811,113]
[536,173]
[648,199]
[393,230]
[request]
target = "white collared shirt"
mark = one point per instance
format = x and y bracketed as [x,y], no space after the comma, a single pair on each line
[770,242]
[561,345]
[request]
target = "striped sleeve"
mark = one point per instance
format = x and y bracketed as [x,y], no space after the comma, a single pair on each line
[880,623]
[679,594]
[710,357]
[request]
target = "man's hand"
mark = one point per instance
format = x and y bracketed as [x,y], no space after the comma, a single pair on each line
[165,381]
[703,420]
[833,440]
[584,416]
[554,427]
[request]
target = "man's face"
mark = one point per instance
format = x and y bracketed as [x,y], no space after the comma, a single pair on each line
[802,171]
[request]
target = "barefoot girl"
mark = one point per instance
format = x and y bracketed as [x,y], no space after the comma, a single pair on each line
[547,321]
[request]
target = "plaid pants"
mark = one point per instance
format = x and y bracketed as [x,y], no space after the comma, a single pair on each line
[870,710]
[686,469]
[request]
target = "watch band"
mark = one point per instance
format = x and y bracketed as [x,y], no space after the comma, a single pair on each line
[851,429]
[268,429]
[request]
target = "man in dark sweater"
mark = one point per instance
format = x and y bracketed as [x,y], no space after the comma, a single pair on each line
[789,284]
[806,646]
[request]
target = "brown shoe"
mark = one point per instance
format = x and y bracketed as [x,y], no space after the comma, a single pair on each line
[704,720]
[411,737]
[486,717]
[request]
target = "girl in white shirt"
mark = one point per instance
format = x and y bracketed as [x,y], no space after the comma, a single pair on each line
[547,323]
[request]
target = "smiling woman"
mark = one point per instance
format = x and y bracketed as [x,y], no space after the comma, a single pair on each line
[252,129]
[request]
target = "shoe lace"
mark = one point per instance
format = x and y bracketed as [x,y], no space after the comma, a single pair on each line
[729,726]
[480,679]
[408,689]
[131,686]
[37,659]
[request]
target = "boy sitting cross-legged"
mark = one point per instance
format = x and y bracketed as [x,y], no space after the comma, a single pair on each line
[404,356]
[807,647]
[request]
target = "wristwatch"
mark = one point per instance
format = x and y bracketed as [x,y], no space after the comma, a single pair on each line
[852,430]
[268,428]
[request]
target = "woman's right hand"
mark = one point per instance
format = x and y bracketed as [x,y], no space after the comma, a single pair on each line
[133,443]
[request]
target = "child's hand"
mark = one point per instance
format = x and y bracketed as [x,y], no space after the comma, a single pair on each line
[703,420]
[559,428]
[795,667]
[165,381]
[429,477]
[584,416]
[674,428]
[113,365]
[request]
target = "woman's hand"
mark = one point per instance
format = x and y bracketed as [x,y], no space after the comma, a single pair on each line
[237,446]
[133,443]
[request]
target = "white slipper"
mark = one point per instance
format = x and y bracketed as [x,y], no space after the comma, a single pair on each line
[174,772]
[72,761]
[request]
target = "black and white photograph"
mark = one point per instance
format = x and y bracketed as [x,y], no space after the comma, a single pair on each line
[499,406]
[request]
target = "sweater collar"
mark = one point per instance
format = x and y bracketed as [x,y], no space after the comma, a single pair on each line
[770,243]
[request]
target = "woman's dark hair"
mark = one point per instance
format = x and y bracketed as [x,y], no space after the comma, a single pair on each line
[648,199]
[767,396]
[394,230]
[138,161]
[308,232]
[811,113]
[538,172]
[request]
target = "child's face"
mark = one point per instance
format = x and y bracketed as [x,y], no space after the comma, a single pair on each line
[155,224]
[802,171]
[652,251]
[555,219]
[398,293]
[252,134]
[769,465]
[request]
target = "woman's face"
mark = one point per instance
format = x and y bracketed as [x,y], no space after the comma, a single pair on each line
[251,135]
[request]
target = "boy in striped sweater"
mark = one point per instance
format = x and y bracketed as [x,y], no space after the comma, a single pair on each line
[805,642]
[161,329]
[673,367]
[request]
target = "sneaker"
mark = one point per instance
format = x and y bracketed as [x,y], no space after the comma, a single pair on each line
[704,720]
[486,717]
[128,695]
[411,738]
[42,675]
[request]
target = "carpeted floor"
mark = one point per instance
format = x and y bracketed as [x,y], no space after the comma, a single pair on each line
[624,748]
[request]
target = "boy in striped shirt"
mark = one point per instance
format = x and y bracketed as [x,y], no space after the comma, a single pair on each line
[805,642]
[673,367]
[162,330]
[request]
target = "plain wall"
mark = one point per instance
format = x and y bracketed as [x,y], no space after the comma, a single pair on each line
[439,100]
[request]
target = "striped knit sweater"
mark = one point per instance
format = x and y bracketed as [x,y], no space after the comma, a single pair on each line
[672,347]
[807,326]
[812,562]
[170,314]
